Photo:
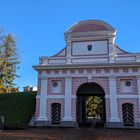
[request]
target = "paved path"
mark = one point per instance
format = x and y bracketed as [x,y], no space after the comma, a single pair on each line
[69,134]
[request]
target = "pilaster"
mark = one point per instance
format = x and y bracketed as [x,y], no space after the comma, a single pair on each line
[138,87]
[68,49]
[113,100]
[67,107]
[43,100]
[111,50]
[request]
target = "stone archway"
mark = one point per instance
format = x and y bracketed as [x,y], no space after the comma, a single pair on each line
[91,105]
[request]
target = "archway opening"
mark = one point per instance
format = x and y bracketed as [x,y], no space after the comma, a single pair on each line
[91,105]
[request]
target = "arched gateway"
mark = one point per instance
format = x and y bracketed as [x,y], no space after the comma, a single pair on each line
[90,80]
[90,105]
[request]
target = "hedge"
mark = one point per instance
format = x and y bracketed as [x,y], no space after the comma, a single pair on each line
[17,108]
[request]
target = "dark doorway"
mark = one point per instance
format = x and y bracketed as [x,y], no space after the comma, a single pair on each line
[91,105]
[56,113]
[128,115]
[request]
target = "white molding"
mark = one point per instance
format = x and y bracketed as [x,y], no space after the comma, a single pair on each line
[87,65]
[67,106]
[120,71]
[74,96]
[102,71]
[43,101]
[92,74]
[68,52]
[130,70]
[113,100]
[76,72]
[127,96]
[53,96]
[42,118]
[52,72]
[123,96]
[85,71]
[138,86]
[43,74]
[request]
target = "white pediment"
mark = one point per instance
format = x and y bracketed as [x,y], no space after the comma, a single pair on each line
[90,42]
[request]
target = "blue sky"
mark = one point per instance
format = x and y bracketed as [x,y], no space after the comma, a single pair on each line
[38,26]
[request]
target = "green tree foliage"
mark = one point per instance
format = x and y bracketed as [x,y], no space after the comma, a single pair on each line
[8,63]
[94,105]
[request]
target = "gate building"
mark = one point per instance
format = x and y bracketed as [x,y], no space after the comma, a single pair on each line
[90,81]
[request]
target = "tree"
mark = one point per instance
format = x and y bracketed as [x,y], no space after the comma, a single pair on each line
[94,106]
[8,63]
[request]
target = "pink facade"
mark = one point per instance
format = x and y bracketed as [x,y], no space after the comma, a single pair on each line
[91,65]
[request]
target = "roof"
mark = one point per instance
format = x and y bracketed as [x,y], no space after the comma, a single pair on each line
[90,25]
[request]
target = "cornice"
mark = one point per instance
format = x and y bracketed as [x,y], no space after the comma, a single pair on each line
[71,66]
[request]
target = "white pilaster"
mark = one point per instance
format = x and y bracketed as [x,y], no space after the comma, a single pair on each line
[67,107]
[113,100]
[111,50]
[43,103]
[138,86]
[68,49]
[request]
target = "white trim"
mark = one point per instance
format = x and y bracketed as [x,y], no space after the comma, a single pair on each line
[52,72]
[43,101]
[127,96]
[67,107]
[94,75]
[68,52]
[138,86]
[74,96]
[86,65]
[55,96]
[123,96]
[113,100]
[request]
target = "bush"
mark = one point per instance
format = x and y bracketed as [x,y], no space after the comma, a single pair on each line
[17,108]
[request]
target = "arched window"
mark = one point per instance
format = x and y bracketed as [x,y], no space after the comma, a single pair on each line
[128,115]
[56,113]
